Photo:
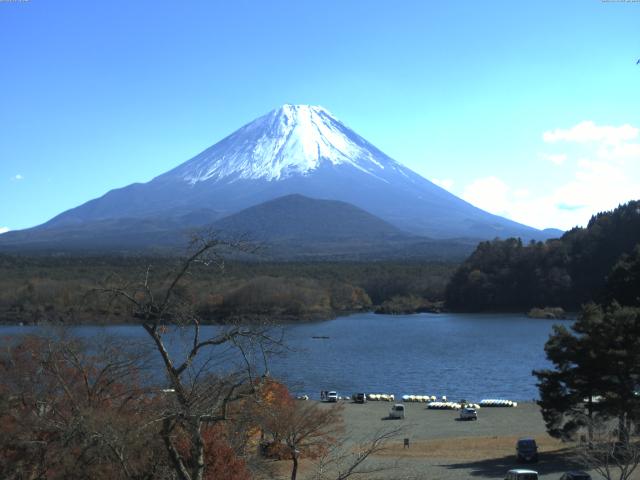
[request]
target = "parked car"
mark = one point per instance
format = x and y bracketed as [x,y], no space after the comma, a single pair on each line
[397,411]
[468,414]
[521,474]
[527,450]
[359,398]
[575,475]
[332,396]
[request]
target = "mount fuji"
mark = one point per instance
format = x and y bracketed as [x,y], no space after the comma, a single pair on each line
[293,150]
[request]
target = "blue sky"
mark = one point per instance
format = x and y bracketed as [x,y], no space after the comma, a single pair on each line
[528,109]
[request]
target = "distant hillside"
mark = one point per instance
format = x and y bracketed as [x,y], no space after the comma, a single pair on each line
[293,227]
[298,218]
[154,235]
[593,263]
[296,227]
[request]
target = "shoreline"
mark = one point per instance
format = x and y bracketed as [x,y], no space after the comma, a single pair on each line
[262,319]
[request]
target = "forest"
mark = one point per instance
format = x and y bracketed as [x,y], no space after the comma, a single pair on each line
[600,263]
[63,289]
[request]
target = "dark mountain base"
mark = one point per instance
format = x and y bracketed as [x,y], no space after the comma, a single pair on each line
[290,228]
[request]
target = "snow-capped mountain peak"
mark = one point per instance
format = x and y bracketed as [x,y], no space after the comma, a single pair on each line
[294,150]
[291,140]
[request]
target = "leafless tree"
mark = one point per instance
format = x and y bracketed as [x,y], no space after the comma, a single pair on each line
[346,459]
[212,372]
[612,453]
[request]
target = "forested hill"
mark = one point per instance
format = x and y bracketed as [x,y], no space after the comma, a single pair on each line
[600,262]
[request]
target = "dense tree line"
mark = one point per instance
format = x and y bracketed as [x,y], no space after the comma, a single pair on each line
[59,289]
[599,262]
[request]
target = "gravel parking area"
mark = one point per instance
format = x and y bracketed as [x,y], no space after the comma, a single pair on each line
[441,447]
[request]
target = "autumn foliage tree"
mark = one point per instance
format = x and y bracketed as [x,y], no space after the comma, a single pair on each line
[300,429]
[70,411]
[221,460]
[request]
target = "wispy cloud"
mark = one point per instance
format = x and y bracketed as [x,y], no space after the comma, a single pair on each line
[555,158]
[606,173]
[588,131]
[4,230]
[571,208]
[17,177]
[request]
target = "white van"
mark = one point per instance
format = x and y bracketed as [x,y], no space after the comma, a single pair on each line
[521,474]
[397,411]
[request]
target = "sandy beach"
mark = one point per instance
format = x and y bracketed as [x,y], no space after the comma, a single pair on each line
[445,448]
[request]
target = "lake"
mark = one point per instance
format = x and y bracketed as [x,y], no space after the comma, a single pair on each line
[470,356]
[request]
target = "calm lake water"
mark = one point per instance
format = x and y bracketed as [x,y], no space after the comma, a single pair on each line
[470,356]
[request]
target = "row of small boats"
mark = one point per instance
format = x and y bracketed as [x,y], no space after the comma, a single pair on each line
[497,402]
[444,406]
[422,398]
[432,401]
[384,397]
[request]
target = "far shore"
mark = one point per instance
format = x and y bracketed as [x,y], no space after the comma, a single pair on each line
[57,320]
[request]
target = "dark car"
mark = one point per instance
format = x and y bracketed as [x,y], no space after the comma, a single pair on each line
[527,450]
[359,398]
[575,475]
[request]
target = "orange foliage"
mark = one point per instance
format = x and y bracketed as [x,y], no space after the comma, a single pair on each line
[57,402]
[222,462]
[272,392]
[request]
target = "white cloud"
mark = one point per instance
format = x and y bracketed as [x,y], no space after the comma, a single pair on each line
[521,193]
[588,131]
[620,152]
[555,158]
[17,177]
[518,204]
[444,183]
[599,185]
[606,174]
[489,193]
[4,230]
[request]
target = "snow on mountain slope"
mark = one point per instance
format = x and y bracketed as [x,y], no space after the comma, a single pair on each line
[295,149]
[291,140]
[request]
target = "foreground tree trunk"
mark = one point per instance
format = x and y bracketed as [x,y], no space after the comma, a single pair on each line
[197,397]
[294,469]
